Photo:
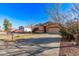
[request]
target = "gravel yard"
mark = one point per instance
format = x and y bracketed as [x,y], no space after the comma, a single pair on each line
[68,49]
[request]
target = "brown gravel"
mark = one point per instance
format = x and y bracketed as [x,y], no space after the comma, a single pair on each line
[68,49]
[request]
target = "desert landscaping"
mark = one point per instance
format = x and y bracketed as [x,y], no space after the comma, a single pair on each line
[39,29]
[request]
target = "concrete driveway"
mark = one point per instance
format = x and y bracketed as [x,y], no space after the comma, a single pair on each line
[39,45]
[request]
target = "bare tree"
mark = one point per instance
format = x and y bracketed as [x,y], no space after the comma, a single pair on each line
[75,11]
[65,19]
[54,12]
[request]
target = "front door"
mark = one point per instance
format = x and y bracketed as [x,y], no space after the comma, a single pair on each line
[44,29]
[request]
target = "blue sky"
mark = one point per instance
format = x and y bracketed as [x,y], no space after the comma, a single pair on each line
[24,14]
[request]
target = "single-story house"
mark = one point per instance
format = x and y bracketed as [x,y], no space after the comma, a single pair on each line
[48,27]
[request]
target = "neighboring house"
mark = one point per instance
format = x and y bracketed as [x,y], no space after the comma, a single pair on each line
[18,31]
[28,29]
[23,29]
[48,27]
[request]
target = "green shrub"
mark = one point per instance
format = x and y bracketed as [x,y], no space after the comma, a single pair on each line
[66,35]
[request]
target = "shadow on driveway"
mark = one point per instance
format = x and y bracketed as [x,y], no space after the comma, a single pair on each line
[38,40]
